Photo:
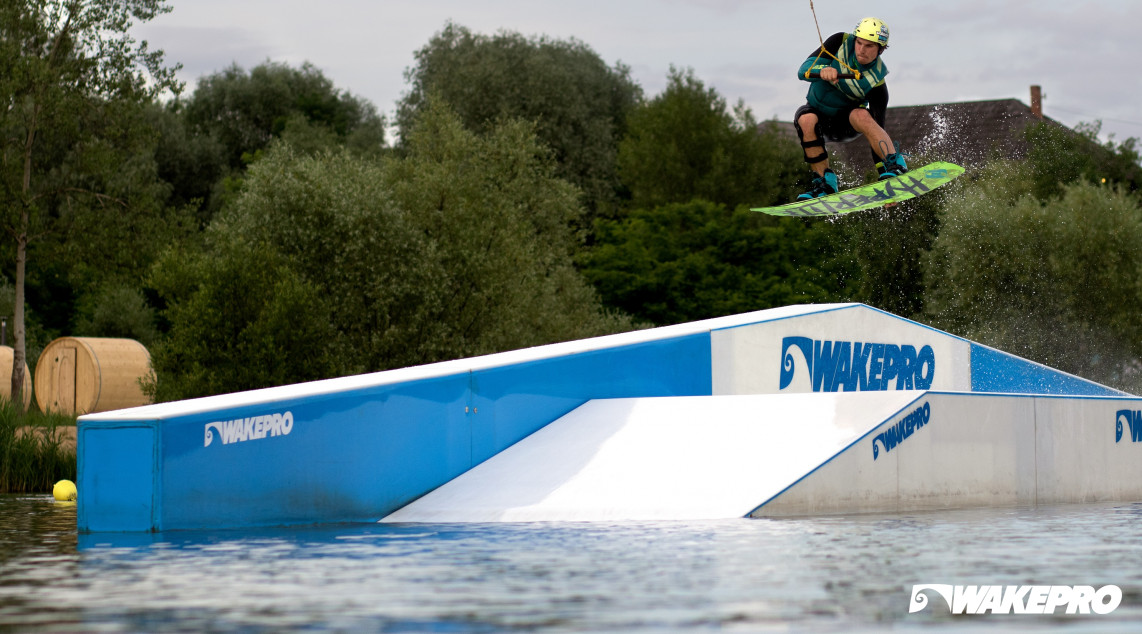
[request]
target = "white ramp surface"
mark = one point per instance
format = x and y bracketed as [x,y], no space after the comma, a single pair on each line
[664,458]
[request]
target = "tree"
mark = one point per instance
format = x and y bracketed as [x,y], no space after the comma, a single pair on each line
[1056,281]
[501,220]
[245,111]
[577,103]
[241,318]
[1060,156]
[879,254]
[883,251]
[191,164]
[116,309]
[69,72]
[234,114]
[461,247]
[686,261]
[685,143]
[688,247]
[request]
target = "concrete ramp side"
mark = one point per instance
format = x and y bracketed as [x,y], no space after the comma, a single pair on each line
[661,458]
[972,450]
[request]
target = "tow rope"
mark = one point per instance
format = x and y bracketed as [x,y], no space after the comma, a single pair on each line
[825,51]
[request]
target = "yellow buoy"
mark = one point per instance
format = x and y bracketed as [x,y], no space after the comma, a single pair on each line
[64,491]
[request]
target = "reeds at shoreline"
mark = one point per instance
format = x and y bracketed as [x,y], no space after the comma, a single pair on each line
[35,449]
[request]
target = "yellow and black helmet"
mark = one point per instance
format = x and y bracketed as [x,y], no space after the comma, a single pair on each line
[873,30]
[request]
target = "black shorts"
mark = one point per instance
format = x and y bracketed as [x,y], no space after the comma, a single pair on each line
[836,128]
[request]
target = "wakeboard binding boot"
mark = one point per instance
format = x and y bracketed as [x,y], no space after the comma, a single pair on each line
[823,185]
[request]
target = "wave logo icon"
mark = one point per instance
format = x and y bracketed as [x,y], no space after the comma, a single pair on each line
[919,600]
[1128,420]
[789,364]
[246,429]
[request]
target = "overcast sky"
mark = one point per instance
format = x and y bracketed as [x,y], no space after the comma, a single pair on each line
[939,52]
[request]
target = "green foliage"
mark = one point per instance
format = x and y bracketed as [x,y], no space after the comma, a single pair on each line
[209,138]
[33,455]
[686,261]
[36,334]
[190,164]
[118,232]
[72,81]
[679,254]
[685,144]
[333,264]
[307,138]
[241,319]
[878,254]
[245,111]
[116,309]
[499,220]
[1056,281]
[577,103]
[1060,156]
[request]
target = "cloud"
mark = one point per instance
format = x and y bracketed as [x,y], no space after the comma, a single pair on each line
[206,50]
[746,49]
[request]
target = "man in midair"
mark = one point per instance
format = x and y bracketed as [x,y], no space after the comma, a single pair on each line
[842,107]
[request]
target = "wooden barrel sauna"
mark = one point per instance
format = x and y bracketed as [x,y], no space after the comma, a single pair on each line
[83,375]
[6,354]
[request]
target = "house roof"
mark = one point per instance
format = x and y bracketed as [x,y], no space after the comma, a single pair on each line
[967,133]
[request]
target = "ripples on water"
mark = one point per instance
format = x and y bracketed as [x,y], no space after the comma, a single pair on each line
[832,574]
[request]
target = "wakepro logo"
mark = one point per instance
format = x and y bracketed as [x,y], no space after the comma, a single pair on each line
[854,366]
[252,428]
[1019,599]
[903,430]
[1128,419]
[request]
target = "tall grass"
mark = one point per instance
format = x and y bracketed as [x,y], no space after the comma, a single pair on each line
[33,462]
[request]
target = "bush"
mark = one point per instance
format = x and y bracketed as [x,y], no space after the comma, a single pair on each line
[1057,281]
[687,261]
[116,310]
[334,264]
[686,143]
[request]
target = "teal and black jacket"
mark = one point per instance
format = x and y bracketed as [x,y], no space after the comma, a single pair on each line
[870,90]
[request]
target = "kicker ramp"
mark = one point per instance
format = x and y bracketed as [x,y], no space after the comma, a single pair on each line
[722,457]
[359,448]
[671,458]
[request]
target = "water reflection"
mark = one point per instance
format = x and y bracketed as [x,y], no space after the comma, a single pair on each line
[833,573]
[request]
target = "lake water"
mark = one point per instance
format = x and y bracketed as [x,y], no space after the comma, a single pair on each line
[838,574]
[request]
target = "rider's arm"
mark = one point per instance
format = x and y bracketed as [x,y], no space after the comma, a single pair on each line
[819,60]
[878,103]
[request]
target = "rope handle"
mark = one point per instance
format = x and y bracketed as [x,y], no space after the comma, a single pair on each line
[817,75]
[855,74]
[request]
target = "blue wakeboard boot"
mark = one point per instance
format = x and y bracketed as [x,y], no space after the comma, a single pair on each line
[823,185]
[892,165]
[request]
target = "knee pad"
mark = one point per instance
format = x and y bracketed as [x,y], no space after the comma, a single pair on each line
[805,145]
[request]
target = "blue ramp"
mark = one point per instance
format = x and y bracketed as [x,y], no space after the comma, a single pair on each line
[359,448]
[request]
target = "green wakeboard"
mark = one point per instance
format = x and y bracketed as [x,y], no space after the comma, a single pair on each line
[908,185]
